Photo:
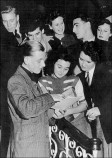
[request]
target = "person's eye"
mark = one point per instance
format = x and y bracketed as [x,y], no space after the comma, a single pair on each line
[98,29]
[59,67]
[88,62]
[4,21]
[67,69]
[37,33]
[80,59]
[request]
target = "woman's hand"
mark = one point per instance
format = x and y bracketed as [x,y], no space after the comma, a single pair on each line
[68,92]
[48,38]
[57,97]
[58,114]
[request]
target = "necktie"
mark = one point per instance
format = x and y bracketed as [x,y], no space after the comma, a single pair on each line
[87,78]
[16,34]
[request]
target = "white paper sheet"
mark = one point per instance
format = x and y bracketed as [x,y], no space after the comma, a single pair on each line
[66,103]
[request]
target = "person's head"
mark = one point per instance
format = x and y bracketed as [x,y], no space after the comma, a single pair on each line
[35,29]
[89,55]
[10,18]
[34,56]
[82,26]
[62,63]
[56,22]
[104,30]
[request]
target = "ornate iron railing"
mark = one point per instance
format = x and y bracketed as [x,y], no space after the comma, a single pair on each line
[66,141]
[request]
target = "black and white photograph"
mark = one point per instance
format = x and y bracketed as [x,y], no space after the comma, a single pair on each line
[56,79]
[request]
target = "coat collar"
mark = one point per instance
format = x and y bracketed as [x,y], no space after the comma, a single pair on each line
[34,86]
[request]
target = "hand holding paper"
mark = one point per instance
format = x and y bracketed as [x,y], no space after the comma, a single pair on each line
[66,103]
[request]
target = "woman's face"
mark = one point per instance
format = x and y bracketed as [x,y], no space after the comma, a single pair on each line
[58,25]
[104,32]
[61,68]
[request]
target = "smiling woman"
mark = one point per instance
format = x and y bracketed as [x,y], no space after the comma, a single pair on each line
[56,22]
[62,81]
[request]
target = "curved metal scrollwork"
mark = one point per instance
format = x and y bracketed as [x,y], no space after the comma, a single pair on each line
[71,148]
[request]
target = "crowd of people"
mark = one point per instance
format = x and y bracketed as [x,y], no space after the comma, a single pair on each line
[76,62]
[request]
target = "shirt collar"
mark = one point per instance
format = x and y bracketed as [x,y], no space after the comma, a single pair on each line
[34,77]
[91,71]
[91,39]
[18,29]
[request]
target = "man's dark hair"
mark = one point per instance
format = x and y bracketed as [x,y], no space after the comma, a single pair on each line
[33,25]
[92,49]
[7,7]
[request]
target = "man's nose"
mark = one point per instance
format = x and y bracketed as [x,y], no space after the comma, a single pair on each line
[83,64]
[42,63]
[8,24]
[74,29]
[60,26]
[61,71]
[101,32]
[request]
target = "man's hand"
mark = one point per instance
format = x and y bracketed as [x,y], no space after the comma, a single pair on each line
[93,113]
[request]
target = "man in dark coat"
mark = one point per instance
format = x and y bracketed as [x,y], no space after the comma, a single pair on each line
[11,37]
[97,82]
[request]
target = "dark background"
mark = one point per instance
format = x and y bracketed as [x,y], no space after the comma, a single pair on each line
[94,8]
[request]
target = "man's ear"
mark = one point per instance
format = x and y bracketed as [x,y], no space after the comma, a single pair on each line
[17,17]
[88,24]
[42,31]
[50,27]
[26,60]
[110,35]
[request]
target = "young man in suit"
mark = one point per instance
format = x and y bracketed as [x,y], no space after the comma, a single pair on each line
[83,28]
[9,61]
[97,82]
[11,23]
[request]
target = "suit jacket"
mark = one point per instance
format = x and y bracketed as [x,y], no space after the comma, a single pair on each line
[28,108]
[106,48]
[100,92]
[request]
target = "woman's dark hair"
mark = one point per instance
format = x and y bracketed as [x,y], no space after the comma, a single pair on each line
[106,21]
[92,49]
[54,14]
[63,54]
